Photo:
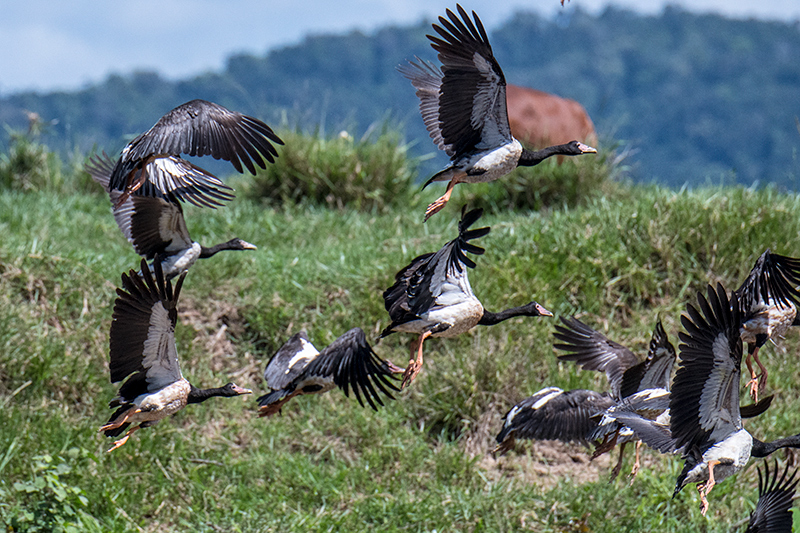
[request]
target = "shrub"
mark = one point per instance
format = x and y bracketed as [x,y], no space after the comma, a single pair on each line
[370,173]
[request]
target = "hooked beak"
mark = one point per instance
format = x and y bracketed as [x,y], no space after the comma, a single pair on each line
[239,390]
[586,149]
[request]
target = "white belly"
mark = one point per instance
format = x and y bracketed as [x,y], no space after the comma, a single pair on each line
[175,264]
[161,404]
[734,452]
[492,164]
[774,321]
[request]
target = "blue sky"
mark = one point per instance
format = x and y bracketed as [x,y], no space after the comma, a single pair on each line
[46,45]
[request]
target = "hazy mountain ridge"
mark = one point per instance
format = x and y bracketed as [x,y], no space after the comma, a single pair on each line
[695,96]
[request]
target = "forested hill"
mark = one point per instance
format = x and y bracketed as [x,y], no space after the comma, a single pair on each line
[694,96]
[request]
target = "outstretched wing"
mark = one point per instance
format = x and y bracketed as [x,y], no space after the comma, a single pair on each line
[352,363]
[593,351]
[773,276]
[152,224]
[773,511]
[198,128]
[704,404]
[445,272]
[472,96]
[656,370]
[142,339]
[418,285]
[553,414]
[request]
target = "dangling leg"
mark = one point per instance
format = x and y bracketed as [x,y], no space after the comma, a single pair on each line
[114,424]
[705,488]
[606,445]
[618,466]
[124,439]
[752,350]
[762,380]
[636,464]
[414,366]
[437,206]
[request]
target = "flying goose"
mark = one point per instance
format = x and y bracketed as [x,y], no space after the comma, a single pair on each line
[142,349]
[775,494]
[553,414]
[154,225]
[769,299]
[299,368]
[196,128]
[628,379]
[463,106]
[432,297]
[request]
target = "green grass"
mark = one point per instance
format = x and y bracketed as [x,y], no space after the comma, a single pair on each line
[419,464]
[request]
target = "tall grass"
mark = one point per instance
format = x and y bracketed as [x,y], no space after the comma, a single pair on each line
[421,463]
[372,173]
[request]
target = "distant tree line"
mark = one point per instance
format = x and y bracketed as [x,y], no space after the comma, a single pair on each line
[695,97]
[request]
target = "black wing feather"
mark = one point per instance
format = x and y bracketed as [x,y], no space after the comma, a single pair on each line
[773,511]
[718,318]
[593,351]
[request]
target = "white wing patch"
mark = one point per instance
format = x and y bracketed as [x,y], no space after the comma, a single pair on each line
[308,352]
[546,398]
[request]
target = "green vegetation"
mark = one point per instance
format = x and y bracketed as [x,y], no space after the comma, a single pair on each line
[693,95]
[373,172]
[620,259]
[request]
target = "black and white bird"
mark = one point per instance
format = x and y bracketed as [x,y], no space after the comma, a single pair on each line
[769,300]
[630,381]
[464,109]
[553,414]
[142,349]
[196,128]
[775,494]
[432,297]
[154,225]
[349,362]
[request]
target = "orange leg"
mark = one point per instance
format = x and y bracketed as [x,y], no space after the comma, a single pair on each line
[753,384]
[705,488]
[636,464]
[124,439]
[120,421]
[437,206]
[762,381]
[414,365]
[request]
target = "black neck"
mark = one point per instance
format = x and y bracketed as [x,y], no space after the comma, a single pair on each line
[530,158]
[763,449]
[232,244]
[200,395]
[490,319]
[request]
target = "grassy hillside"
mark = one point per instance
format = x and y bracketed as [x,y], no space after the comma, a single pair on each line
[422,463]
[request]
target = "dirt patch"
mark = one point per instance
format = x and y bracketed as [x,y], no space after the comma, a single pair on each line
[545,463]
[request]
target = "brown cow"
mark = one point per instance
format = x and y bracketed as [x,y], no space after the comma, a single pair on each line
[541,119]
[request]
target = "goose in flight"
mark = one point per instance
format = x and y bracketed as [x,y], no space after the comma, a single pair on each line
[349,362]
[196,128]
[154,225]
[432,297]
[630,381]
[463,105]
[142,349]
[769,299]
